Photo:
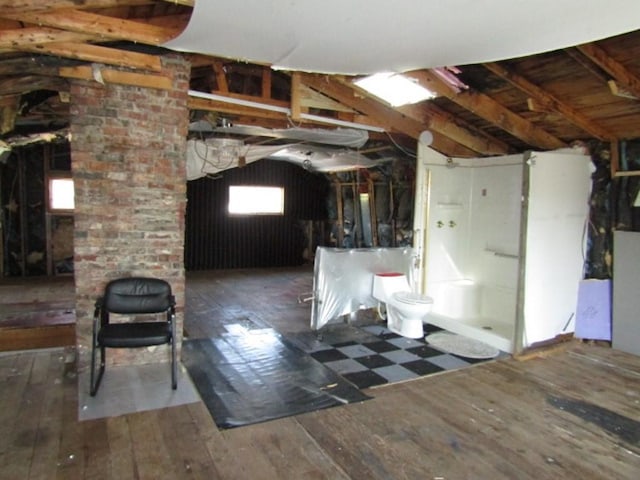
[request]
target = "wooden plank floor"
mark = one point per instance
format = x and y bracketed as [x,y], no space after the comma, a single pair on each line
[37,313]
[571,414]
[494,420]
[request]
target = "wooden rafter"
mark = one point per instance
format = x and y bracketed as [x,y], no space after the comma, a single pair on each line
[433,118]
[98,54]
[266,82]
[296,108]
[310,98]
[104,27]
[390,119]
[492,111]
[21,37]
[221,77]
[109,75]
[16,85]
[550,101]
[8,110]
[204,104]
[438,120]
[619,72]
[12,6]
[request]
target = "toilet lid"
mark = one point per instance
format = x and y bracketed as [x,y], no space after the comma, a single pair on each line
[412,298]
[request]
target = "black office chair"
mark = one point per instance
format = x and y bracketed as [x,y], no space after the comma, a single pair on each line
[133,296]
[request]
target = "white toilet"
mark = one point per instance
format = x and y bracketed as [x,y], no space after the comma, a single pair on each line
[406,310]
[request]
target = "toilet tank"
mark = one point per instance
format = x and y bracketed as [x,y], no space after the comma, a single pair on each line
[387,283]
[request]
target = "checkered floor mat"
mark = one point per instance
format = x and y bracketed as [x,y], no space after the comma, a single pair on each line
[389,358]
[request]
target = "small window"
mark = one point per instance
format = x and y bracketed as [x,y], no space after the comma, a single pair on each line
[61,194]
[251,200]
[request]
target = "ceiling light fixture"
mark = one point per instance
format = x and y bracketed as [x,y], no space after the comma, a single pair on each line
[394,88]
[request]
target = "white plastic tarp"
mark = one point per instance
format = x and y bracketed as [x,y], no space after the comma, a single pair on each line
[209,157]
[369,36]
[343,279]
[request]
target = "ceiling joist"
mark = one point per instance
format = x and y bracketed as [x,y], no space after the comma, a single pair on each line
[492,111]
[21,38]
[99,54]
[619,72]
[104,27]
[108,75]
[541,96]
[391,119]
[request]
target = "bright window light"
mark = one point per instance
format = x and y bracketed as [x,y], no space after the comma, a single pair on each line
[252,200]
[394,88]
[61,194]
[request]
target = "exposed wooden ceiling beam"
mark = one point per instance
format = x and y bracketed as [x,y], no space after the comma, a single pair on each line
[550,101]
[16,85]
[11,6]
[20,37]
[619,72]
[390,119]
[437,120]
[8,110]
[109,75]
[265,108]
[208,105]
[256,116]
[221,78]
[186,3]
[445,123]
[492,111]
[587,64]
[106,28]
[265,84]
[296,107]
[310,98]
[33,64]
[98,54]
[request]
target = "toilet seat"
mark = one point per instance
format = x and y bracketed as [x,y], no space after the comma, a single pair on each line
[411,298]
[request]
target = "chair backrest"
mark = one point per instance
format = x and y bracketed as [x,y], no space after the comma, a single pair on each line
[137,295]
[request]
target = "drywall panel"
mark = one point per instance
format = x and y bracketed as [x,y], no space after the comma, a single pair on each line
[626,301]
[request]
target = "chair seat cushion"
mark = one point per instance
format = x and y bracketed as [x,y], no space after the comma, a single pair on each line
[134,334]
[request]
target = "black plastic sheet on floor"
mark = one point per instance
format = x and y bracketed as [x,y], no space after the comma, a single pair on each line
[258,376]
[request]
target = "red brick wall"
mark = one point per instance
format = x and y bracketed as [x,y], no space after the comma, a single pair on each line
[128,162]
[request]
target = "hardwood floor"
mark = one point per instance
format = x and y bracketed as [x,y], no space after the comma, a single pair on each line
[572,413]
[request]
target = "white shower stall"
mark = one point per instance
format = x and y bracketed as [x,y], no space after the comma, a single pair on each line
[500,242]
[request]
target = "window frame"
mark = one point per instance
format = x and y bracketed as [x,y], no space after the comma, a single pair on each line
[279,213]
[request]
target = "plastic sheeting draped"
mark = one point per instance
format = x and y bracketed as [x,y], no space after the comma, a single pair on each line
[343,279]
[344,137]
[208,158]
[216,155]
[369,36]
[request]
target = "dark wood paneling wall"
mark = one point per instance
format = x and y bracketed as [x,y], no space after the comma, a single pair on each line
[215,240]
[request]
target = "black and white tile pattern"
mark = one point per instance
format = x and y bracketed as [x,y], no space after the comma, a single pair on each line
[385,357]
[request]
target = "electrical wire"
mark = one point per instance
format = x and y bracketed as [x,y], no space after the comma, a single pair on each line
[400,147]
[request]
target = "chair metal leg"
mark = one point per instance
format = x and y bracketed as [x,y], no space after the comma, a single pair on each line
[95,382]
[174,365]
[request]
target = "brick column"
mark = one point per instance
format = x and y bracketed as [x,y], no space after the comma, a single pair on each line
[128,149]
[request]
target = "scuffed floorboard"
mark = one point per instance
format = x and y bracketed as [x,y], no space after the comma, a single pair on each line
[569,415]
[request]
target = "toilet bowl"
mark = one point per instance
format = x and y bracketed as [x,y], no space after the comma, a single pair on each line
[406,310]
